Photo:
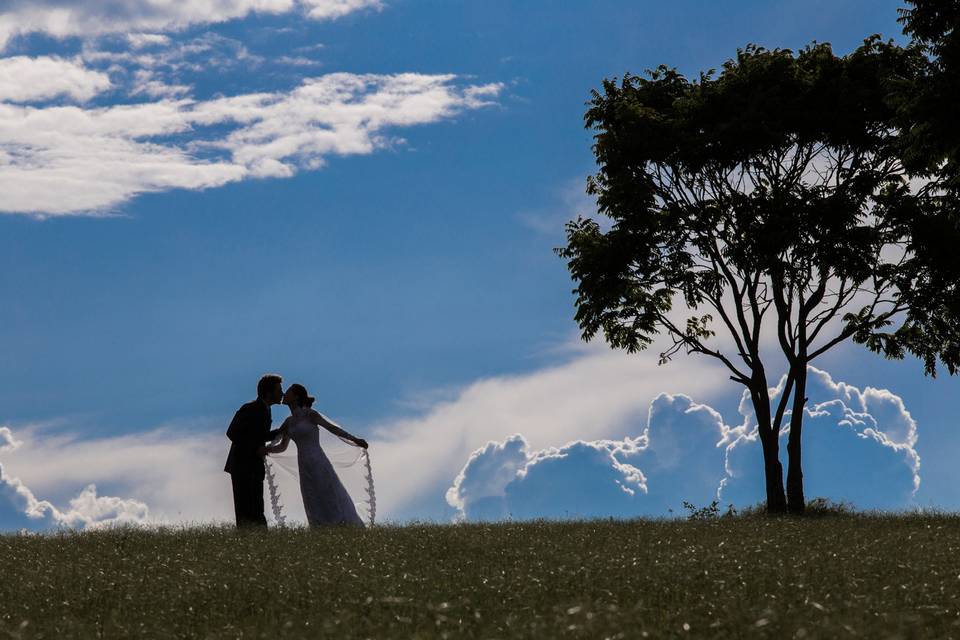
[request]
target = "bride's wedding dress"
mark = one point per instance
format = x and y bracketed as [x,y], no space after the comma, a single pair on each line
[325,499]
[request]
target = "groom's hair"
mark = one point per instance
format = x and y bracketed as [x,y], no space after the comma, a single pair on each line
[267,383]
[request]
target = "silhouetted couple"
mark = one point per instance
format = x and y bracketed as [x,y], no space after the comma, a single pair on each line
[325,500]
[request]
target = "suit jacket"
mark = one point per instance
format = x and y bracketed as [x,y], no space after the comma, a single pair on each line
[249,430]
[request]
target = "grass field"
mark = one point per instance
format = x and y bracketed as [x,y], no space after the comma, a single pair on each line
[730,577]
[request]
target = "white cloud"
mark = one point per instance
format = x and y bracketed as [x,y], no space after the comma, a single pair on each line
[7,441]
[67,160]
[154,65]
[143,40]
[177,473]
[299,61]
[598,394]
[676,456]
[478,489]
[25,79]
[205,51]
[581,479]
[859,448]
[90,18]
[86,510]
[599,438]
[146,83]
[165,475]
[330,9]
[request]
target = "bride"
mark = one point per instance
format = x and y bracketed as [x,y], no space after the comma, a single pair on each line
[325,499]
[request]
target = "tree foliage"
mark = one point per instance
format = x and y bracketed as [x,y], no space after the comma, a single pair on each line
[930,102]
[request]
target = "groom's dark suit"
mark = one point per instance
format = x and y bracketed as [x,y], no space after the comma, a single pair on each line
[249,430]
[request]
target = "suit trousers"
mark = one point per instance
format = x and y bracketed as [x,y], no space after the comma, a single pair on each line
[248,499]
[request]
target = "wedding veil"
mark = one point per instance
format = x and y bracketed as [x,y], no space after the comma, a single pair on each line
[351,462]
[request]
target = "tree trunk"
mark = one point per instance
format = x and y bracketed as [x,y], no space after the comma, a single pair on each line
[795,500]
[776,501]
[769,441]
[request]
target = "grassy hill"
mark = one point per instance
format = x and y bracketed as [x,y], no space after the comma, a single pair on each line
[731,577]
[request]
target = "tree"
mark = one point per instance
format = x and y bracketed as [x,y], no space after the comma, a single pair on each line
[771,198]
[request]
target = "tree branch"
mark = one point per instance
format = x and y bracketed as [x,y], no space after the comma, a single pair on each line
[698,347]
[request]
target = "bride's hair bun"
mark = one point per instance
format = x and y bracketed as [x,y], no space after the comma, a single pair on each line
[300,394]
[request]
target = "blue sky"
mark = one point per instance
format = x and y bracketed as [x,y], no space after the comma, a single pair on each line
[391,274]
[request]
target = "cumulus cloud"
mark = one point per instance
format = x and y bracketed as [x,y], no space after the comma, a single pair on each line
[581,479]
[478,490]
[86,510]
[677,456]
[67,160]
[88,18]
[859,447]
[597,394]
[26,79]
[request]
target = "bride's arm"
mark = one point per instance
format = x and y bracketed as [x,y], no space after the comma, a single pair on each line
[320,421]
[284,440]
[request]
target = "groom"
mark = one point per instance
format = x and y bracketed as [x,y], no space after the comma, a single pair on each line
[248,432]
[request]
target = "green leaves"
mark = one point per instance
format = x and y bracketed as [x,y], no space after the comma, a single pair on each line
[928,100]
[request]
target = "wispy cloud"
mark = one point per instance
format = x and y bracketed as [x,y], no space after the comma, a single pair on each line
[177,473]
[161,54]
[157,66]
[143,40]
[299,61]
[7,442]
[330,9]
[68,160]
[568,202]
[145,82]
[90,18]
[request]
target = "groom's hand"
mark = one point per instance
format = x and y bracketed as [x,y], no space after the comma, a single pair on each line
[362,443]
